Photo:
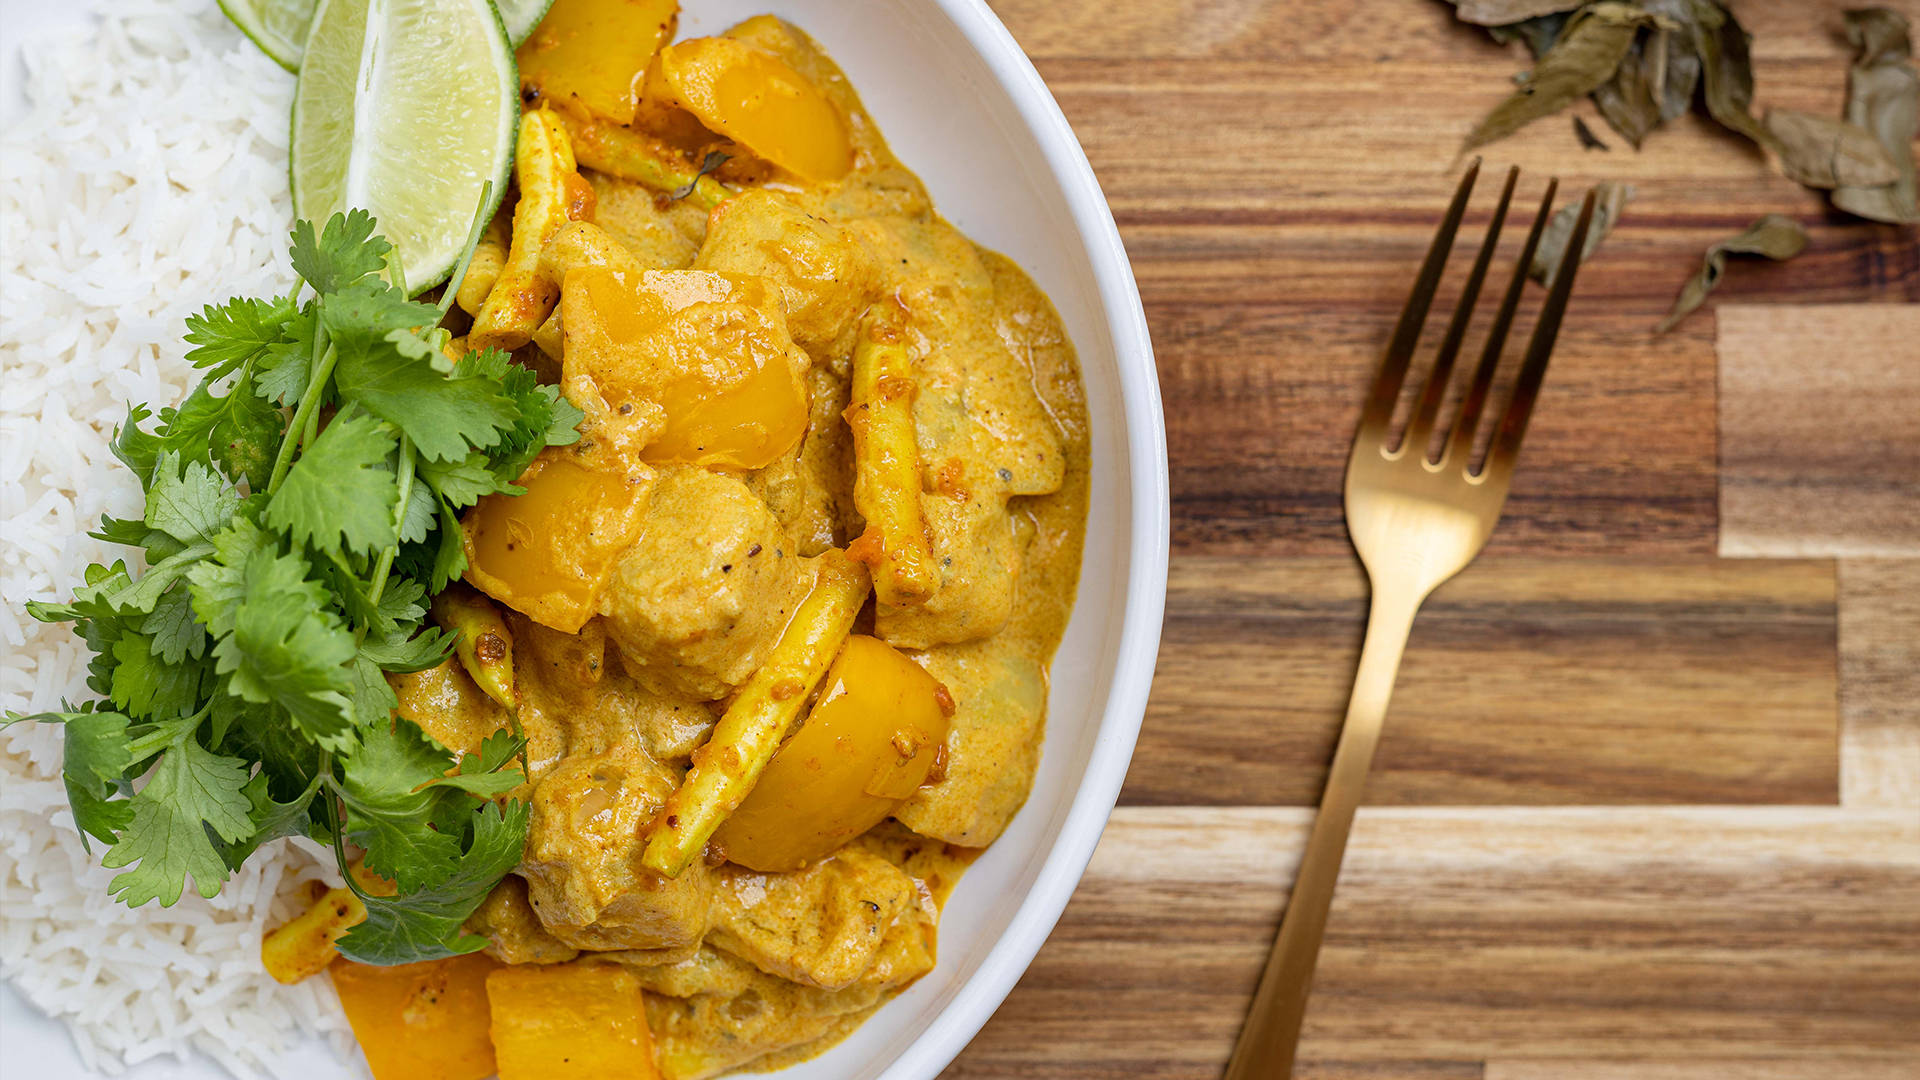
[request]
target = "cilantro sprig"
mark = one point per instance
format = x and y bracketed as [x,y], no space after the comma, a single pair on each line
[301,506]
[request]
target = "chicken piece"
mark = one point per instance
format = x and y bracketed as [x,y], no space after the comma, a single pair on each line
[506,919]
[569,683]
[984,436]
[993,742]
[631,213]
[822,926]
[582,859]
[809,488]
[715,1013]
[703,594]
[825,276]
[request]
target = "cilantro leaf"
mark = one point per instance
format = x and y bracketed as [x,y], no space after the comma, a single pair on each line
[344,252]
[245,435]
[288,649]
[485,774]
[176,634]
[193,792]
[422,513]
[282,372]
[340,494]
[94,764]
[425,924]
[463,482]
[189,504]
[272,820]
[388,805]
[225,336]
[136,447]
[373,700]
[145,686]
[443,415]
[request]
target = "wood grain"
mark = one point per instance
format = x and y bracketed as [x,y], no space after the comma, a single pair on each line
[1277,170]
[1819,445]
[1848,1066]
[1527,681]
[1880,683]
[1472,935]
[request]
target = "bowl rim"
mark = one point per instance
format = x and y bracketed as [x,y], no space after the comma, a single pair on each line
[1145,602]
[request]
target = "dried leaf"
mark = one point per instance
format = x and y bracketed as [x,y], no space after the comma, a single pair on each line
[1826,152]
[1588,140]
[1539,34]
[1507,12]
[1630,100]
[1679,73]
[1778,238]
[1883,96]
[1726,68]
[1587,54]
[1609,199]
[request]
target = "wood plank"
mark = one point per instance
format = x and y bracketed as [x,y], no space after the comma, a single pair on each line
[1850,1067]
[1527,681]
[1880,683]
[1277,171]
[1820,430]
[1482,934]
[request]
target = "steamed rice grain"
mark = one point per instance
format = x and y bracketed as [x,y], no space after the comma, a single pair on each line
[148,179]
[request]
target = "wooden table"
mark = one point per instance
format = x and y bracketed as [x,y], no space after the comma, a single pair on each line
[1648,804]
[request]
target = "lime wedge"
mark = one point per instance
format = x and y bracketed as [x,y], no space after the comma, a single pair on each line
[521,16]
[407,109]
[279,27]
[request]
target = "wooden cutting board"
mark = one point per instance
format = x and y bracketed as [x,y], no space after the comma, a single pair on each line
[1648,804]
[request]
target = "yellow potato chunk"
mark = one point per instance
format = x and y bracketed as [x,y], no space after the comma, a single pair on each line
[868,744]
[591,54]
[424,1021]
[685,366]
[582,1020]
[755,99]
[548,553]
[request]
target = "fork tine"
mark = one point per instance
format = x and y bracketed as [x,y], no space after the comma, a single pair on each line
[1406,335]
[1420,427]
[1513,426]
[1460,442]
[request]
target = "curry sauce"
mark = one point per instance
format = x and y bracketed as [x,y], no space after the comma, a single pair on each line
[734,466]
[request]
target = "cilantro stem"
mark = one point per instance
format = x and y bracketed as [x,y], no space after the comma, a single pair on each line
[466,255]
[384,566]
[309,401]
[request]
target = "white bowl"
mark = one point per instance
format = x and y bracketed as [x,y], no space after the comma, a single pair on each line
[964,108]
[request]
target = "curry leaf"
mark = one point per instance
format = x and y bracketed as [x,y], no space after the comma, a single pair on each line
[1883,96]
[1726,68]
[1609,199]
[1826,152]
[1776,237]
[1588,140]
[1588,53]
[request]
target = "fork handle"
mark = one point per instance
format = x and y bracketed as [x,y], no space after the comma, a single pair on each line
[1272,1031]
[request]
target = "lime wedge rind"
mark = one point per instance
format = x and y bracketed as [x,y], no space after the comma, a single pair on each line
[279,27]
[521,16]
[407,109]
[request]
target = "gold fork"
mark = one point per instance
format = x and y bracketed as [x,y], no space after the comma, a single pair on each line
[1416,523]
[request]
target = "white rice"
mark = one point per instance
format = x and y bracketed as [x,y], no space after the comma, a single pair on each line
[148,178]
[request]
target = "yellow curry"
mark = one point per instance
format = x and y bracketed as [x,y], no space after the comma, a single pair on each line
[776,629]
